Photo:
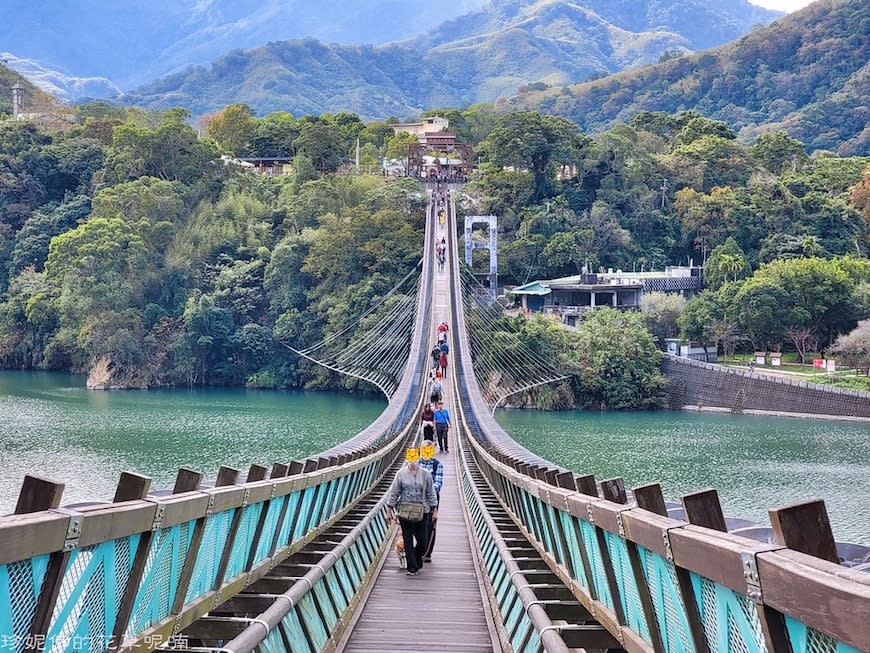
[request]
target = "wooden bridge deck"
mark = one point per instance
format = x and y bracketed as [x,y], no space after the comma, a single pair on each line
[440,609]
[443,608]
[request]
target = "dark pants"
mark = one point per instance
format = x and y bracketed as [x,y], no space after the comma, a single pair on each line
[433,525]
[441,432]
[415,537]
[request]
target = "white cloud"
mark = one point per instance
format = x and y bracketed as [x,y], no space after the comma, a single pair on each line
[782,5]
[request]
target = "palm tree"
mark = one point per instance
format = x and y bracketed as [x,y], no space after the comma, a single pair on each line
[731,264]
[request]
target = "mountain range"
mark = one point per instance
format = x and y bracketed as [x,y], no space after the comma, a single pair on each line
[462,52]
[808,73]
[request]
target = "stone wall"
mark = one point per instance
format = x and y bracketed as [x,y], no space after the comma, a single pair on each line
[706,386]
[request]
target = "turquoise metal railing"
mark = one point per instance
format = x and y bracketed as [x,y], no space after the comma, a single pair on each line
[110,576]
[662,584]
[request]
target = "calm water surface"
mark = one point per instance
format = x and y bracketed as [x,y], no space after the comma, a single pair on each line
[51,426]
[755,463]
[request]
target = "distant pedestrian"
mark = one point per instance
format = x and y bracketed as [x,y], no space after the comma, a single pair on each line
[442,363]
[444,347]
[442,425]
[413,501]
[428,420]
[436,356]
[436,390]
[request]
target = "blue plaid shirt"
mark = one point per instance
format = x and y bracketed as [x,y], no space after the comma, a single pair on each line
[436,468]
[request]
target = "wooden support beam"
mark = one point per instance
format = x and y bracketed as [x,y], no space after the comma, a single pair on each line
[613,489]
[38,494]
[566,480]
[226,476]
[295,467]
[804,527]
[256,473]
[187,480]
[131,487]
[649,497]
[310,465]
[703,509]
[278,470]
[586,485]
[588,636]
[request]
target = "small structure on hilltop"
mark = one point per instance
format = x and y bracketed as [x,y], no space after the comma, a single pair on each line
[436,156]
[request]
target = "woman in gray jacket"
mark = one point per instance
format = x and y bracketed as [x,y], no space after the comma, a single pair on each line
[413,487]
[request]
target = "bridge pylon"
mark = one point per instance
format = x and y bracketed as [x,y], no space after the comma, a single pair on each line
[491,244]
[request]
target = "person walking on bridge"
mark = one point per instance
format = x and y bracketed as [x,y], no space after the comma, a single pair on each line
[431,463]
[442,425]
[413,500]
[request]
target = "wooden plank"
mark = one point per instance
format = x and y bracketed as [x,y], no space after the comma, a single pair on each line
[805,527]
[256,473]
[226,476]
[702,508]
[132,486]
[187,480]
[29,535]
[650,497]
[38,494]
[586,485]
[45,604]
[716,556]
[104,523]
[816,596]
[613,489]
[446,594]
[278,470]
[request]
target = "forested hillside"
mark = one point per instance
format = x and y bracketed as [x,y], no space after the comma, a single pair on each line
[130,250]
[808,73]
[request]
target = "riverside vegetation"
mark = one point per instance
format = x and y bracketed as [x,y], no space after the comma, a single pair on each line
[129,249]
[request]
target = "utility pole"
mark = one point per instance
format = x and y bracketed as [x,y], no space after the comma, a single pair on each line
[664,190]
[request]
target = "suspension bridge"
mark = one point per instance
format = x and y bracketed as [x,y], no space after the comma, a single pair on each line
[530,557]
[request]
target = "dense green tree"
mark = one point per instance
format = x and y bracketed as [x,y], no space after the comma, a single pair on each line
[660,312]
[274,135]
[529,140]
[234,128]
[96,267]
[171,151]
[32,241]
[322,143]
[778,149]
[617,362]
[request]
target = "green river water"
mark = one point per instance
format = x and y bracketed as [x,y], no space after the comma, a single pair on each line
[51,426]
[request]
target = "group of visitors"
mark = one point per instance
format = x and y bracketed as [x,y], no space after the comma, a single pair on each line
[439,353]
[441,253]
[415,495]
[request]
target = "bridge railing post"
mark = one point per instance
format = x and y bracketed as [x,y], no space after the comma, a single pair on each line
[38,494]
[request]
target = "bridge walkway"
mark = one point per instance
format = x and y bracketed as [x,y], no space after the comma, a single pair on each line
[440,609]
[443,608]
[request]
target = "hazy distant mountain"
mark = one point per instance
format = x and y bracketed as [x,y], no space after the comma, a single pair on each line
[130,42]
[808,73]
[488,53]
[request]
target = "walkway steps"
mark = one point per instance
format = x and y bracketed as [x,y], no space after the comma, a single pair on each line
[440,609]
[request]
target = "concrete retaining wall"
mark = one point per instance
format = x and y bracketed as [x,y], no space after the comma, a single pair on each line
[706,386]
